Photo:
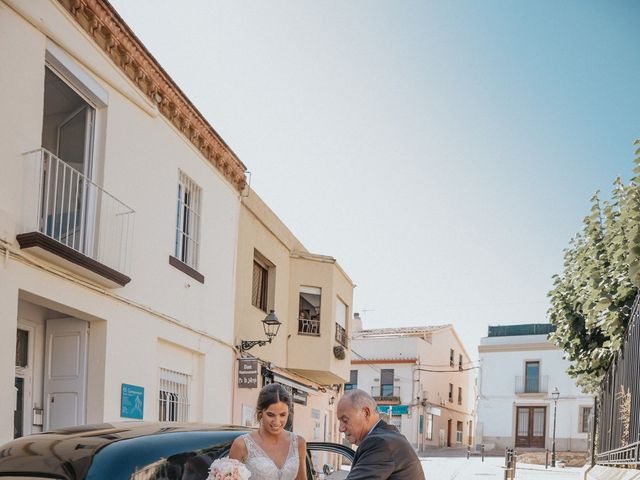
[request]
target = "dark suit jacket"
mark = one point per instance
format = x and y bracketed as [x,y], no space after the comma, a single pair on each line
[385,454]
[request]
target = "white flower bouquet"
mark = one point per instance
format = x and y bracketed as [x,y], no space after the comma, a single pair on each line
[228,469]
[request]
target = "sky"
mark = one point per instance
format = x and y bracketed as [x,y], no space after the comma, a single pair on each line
[443,152]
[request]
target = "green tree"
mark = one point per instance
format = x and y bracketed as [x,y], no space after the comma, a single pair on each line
[592,298]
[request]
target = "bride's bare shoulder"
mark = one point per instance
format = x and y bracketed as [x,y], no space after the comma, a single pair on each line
[238,449]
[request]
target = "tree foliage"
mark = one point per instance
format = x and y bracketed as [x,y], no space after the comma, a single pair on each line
[591,299]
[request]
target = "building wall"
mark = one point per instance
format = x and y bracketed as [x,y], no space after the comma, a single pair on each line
[502,359]
[424,382]
[304,363]
[162,318]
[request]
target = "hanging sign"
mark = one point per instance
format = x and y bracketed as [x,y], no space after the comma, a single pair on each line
[248,373]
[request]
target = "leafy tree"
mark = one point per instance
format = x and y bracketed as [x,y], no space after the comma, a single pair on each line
[592,298]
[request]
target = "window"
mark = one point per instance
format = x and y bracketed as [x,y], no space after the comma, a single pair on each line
[429,427]
[174,403]
[396,420]
[309,311]
[341,322]
[188,222]
[353,381]
[532,377]
[260,286]
[386,382]
[451,357]
[459,432]
[459,395]
[460,362]
[585,419]
[451,392]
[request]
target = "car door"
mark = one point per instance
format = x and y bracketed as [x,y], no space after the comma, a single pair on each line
[328,461]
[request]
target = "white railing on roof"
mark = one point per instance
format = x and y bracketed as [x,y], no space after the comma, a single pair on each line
[63,204]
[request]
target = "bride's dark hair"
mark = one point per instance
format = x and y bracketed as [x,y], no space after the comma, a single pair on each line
[270,394]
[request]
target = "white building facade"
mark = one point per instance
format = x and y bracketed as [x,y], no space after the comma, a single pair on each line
[422,379]
[119,209]
[519,370]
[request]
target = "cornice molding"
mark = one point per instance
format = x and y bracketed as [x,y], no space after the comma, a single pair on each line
[517,347]
[109,31]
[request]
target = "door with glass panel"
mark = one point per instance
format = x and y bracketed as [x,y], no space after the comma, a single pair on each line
[531,427]
[68,202]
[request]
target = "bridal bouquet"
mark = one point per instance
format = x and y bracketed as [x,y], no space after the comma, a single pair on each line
[228,469]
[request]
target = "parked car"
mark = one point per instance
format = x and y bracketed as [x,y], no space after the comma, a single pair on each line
[142,451]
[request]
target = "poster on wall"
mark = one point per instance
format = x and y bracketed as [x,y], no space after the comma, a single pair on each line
[132,401]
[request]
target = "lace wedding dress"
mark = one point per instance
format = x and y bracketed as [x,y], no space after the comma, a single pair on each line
[263,468]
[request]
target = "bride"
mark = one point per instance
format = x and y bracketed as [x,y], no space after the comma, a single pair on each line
[271,452]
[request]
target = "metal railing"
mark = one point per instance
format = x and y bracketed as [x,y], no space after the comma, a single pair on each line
[341,335]
[63,204]
[532,384]
[385,391]
[309,326]
[617,425]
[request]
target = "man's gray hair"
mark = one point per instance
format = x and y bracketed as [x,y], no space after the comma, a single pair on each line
[360,399]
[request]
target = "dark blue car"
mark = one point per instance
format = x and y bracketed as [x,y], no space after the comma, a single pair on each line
[142,451]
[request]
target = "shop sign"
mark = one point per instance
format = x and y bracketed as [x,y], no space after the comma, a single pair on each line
[394,409]
[299,396]
[437,411]
[248,373]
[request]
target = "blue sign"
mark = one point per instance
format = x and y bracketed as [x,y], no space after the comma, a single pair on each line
[132,401]
[395,409]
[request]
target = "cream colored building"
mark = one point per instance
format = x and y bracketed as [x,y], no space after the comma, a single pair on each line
[312,297]
[422,379]
[119,209]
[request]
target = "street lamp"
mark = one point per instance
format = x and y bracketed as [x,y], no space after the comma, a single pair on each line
[271,325]
[555,395]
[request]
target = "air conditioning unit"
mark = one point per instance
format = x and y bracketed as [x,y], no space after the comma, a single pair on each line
[376,379]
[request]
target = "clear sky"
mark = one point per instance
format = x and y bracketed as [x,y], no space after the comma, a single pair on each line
[443,151]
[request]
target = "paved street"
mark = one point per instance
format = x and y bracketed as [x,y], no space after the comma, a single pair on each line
[439,468]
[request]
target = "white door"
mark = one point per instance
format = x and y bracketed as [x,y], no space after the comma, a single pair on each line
[65,376]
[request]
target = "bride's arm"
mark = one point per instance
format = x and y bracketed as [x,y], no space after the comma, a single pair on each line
[302,453]
[238,450]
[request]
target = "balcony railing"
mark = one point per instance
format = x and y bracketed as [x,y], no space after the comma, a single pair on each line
[341,335]
[309,326]
[62,204]
[386,393]
[533,384]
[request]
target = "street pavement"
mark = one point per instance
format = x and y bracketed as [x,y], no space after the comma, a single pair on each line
[449,468]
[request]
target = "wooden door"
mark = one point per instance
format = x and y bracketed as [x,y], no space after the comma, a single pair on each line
[531,427]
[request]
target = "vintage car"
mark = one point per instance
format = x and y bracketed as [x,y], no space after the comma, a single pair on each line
[142,451]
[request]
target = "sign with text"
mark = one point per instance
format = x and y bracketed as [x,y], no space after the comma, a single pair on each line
[248,373]
[132,401]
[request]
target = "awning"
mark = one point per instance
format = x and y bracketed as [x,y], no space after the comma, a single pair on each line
[293,384]
[395,409]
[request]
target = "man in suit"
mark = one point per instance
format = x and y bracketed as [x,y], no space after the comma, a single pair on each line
[383,452]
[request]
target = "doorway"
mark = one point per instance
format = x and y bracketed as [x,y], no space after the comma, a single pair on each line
[531,427]
[68,199]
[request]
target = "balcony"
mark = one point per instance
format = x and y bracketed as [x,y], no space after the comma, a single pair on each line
[387,394]
[341,335]
[532,385]
[309,326]
[73,222]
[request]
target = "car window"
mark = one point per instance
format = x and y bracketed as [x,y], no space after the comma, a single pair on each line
[173,456]
[328,461]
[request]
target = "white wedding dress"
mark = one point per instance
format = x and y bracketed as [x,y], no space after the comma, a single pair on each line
[263,468]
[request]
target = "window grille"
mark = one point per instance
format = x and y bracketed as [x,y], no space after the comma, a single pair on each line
[174,405]
[188,221]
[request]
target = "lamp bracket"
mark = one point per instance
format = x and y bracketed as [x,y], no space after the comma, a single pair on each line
[249,344]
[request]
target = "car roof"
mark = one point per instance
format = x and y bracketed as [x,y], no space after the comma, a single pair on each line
[117,447]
